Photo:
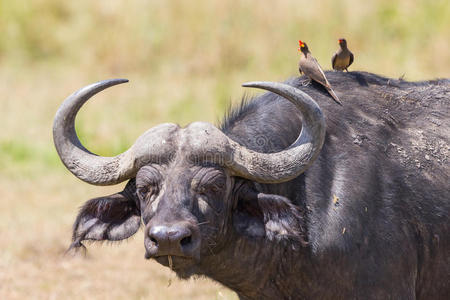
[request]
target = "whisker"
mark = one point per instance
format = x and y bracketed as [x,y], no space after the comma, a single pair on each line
[202,223]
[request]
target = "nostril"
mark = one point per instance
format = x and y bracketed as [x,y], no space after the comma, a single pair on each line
[154,241]
[176,239]
[186,240]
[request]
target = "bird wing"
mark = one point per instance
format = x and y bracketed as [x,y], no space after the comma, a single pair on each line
[351,59]
[312,69]
[333,60]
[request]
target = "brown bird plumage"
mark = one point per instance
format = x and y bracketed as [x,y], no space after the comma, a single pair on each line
[311,68]
[343,58]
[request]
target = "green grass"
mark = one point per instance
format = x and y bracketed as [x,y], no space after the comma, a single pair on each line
[20,158]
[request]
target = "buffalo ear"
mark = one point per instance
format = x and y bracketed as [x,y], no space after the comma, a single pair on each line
[271,216]
[110,218]
[282,219]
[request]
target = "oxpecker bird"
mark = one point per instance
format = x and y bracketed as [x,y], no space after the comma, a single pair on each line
[311,68]
[343,58]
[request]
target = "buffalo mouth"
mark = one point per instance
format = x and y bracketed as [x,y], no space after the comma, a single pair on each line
[178,262]
[183,266]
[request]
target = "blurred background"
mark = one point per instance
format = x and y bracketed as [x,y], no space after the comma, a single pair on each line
[185,61]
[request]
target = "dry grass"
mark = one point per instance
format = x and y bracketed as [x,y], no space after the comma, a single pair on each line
[185,62]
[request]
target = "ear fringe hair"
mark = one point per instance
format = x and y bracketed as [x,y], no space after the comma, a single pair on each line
[283,220]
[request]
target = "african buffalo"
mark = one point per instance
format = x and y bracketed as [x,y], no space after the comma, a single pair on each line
[286,199]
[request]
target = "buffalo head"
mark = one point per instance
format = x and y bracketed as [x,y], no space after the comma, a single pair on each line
[183,182]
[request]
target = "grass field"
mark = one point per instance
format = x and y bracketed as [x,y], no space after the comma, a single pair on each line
[185,62]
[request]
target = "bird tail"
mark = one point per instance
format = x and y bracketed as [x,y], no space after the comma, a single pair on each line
[333,94]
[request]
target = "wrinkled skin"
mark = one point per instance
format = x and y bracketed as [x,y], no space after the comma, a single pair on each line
[368,220]
[198,192]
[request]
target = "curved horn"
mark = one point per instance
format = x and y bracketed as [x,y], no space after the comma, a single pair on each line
[153,146]
[294,160]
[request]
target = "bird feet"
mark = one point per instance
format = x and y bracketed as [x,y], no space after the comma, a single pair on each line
[306,82]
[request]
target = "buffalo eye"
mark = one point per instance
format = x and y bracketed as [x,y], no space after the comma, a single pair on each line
[142,192]
[201,190]
[208,189]
[214,188]
[208,185]
[147,183]
[207,194]
[146,193]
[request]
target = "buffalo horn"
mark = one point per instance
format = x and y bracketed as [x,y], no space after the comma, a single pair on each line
[292,161]
[153,146]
